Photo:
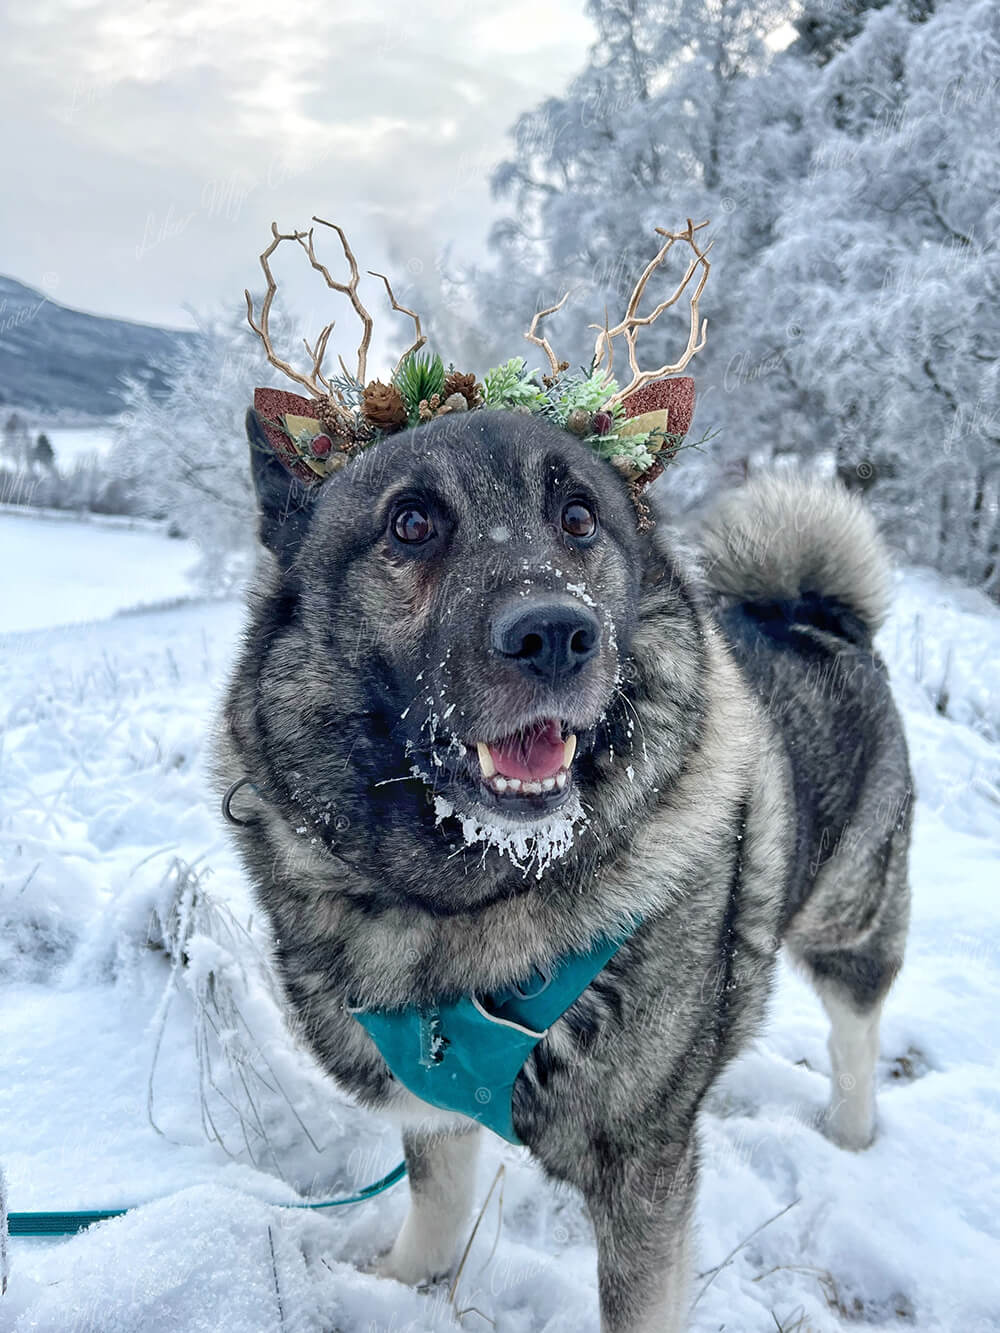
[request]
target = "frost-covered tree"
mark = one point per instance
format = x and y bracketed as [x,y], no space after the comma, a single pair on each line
[854,186]
[15,443]
[29,476]
[185,453]
[826,27]
[885,275]
[671,118]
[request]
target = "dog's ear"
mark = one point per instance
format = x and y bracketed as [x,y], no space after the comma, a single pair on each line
[284,501]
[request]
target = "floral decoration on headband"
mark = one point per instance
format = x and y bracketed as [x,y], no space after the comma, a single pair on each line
[637,428]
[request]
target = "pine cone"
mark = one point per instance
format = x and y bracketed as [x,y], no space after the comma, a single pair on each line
[384,406]
[466,385]
[336,420]
[429,406]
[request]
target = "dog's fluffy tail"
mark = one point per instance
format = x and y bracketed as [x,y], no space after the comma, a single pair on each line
[792,540]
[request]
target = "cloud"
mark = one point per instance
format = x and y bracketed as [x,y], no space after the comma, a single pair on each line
[154,143]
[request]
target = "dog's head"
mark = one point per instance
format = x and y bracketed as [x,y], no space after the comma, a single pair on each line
[474,585]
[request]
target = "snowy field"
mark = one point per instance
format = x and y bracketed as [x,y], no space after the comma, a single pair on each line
[61,570]
[71,443]
[143,1060]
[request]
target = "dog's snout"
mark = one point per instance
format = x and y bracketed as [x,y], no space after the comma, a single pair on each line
[548,639]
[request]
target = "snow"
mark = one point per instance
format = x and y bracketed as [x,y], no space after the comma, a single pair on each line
[116,869]
[61,571]
[71,443]
[530,848]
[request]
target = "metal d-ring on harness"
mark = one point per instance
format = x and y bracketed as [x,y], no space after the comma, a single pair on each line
[227,802]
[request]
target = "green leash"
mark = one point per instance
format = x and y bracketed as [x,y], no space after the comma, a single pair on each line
[68,1224]
[463,1055]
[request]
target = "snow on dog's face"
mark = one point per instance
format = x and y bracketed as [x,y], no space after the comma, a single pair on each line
[470,590]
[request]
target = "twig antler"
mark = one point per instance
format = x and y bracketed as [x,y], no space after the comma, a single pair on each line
[632,321]
[348,289]
[314,380]
[543,343]
[262,329]
[421,336]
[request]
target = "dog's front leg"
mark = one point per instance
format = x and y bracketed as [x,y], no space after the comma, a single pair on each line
[442,1172]
[641,1209]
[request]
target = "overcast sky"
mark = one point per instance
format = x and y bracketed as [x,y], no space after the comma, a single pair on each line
[147,144]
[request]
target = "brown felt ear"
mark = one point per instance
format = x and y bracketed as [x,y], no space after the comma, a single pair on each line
[271,407]
[675,396]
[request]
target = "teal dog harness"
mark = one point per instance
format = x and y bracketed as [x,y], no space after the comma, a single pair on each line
[465,1055]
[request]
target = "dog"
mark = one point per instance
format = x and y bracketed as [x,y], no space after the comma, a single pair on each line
[487,720]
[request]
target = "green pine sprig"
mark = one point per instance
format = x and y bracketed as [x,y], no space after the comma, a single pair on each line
[417,379]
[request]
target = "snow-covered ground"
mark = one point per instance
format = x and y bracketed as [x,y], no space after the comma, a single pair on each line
[61,570]
[143,1059]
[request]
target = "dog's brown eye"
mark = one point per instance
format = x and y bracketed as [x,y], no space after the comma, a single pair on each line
[579,520]
[412,524]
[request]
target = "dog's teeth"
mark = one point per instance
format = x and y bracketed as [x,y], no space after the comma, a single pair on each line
[569,751]
[531,788]
[485,759]
[560,780]
[548,784]
[513,784]
[499,784]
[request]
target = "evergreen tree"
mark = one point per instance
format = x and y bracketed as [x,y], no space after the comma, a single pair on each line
[886,266]
[44,455]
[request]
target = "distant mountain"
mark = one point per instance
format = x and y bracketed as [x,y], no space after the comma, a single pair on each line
[60,360]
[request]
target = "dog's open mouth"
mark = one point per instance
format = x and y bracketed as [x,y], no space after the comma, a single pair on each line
[533,763]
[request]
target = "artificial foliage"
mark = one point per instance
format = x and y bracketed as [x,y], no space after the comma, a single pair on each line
[418,378]
[637,428]
[325,436]
[585,392]
[513,385]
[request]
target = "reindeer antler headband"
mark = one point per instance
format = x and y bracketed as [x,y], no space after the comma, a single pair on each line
[637,428]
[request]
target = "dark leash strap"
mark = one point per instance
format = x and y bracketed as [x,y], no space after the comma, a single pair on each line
[68,1224]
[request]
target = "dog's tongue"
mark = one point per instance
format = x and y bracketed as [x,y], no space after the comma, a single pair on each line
[530,755]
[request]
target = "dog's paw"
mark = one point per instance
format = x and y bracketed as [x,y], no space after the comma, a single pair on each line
[849,1125]
[413,1263]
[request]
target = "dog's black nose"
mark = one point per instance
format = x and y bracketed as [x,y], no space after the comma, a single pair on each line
[548,639]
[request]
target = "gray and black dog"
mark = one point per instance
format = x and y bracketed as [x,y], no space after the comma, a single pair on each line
[487,720]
